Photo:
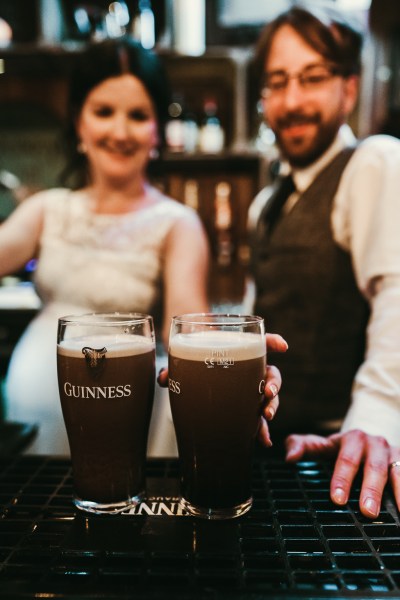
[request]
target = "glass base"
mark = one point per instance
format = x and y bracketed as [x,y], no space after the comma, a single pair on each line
[216,513]
[107,509]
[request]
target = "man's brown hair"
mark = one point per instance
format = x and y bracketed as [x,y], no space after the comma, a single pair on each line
[330,32]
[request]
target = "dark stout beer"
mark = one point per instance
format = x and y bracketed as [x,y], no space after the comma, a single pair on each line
[216,382]
[106,390]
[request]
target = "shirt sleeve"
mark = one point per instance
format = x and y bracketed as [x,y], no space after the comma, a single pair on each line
[375,406]
[365,222]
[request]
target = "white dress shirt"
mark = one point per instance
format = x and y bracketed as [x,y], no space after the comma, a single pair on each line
[366,223]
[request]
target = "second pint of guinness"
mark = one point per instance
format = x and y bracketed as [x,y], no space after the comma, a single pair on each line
[106,375]
[216,384]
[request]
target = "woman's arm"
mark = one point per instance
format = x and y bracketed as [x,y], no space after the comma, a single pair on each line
[20,235]
[185,271]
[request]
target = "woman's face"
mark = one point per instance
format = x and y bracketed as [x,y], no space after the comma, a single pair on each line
[117,127]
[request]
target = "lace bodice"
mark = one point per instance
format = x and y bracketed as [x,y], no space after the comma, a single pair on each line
[103,262]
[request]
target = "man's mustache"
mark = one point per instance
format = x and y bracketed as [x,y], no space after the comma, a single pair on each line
[294,119]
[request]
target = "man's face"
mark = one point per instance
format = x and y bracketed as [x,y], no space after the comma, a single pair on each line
[305,113]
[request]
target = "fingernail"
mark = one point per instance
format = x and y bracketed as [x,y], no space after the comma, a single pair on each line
[161,370]
[270,413]
[273,389]
[371,506]
[339,496]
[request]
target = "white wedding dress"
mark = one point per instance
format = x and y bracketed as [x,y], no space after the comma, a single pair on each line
[89,262]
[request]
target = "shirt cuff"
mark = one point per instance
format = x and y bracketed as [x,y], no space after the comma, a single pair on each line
[375,416]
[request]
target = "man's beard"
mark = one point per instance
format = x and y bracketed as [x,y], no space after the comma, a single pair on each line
[303,157]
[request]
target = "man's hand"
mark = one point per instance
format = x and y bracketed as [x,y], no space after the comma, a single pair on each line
[352,449]
[273,382]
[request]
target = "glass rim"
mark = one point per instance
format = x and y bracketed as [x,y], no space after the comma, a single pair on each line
[210,318]
[100,318]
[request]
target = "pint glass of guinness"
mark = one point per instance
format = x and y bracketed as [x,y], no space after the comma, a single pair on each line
[106,377]
[216,368]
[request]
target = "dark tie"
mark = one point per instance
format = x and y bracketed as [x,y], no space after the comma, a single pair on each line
[273,209]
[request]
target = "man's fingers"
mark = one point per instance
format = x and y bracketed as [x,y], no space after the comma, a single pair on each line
[295,447]
[271,408]
[347,464]
[353,449]
[357,447]
[276,343]
[263,433]
[394,474]
[310,445]
[273,383]
[375,475]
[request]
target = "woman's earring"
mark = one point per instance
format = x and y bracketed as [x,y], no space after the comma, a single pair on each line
[81,148]
[154,153]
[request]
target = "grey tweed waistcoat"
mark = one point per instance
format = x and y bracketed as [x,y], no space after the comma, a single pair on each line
[306,291]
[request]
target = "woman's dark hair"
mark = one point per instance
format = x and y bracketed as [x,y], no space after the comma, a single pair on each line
[101,60]
[331,33]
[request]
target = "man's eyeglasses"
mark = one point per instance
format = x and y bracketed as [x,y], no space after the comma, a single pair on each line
[310,78]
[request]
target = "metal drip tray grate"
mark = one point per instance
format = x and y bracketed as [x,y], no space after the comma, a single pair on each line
[294,543]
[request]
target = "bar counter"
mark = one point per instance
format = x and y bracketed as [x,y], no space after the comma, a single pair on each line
[294,543]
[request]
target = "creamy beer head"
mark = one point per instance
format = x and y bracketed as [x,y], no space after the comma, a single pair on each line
[196,346]
[116,345]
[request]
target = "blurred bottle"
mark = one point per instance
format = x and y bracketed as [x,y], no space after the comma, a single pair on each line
[175,127]
[264,140]
[191,132]
[223,224]
[212,135]
[143,25]
[91,22]
[6,34]
[116,19]
[181,131]
[191,194]
[188,21]
[51,22]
